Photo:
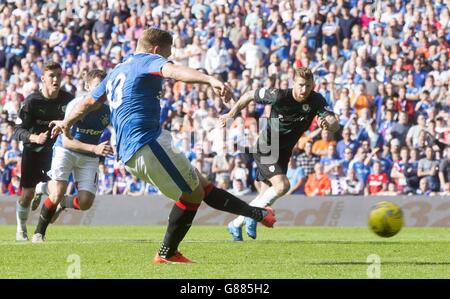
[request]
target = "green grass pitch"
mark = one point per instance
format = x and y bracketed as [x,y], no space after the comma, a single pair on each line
[283,252]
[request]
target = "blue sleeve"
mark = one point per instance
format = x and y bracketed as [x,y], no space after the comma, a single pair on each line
[210,42]
[99,93]
[228,44]
[153,64]
[287,37]
[73,130]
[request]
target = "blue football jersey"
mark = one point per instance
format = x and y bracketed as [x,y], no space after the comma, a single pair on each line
[90,128]
[133,91]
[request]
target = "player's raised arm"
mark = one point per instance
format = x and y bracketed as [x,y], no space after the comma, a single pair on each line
[328,122]
[189,75]
[90,103]
[85,106]
[101,149]
[326,118]
[243,102]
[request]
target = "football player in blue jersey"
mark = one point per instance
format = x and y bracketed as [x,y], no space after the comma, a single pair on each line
[133,90]
[79,156]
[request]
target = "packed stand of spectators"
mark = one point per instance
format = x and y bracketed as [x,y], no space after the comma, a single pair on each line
[383,68]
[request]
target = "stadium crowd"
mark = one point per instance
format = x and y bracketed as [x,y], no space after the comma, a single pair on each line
[383,68]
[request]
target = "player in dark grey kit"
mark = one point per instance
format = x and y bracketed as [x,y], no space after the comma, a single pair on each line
[292,112]
[39,109]
[79,157]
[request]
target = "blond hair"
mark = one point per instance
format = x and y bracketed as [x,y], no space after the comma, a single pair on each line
[154,37]
[305,73]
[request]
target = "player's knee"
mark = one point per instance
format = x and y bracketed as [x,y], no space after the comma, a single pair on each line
[282,187]
[196,196]
[200,193]
[85,204]
[203,182]
[56,196]
[26,197]
[85,200]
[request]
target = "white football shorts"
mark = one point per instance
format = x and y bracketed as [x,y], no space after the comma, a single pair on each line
[164,166]
[83,167]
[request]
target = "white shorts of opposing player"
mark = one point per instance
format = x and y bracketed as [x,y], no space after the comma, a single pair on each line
[83,167]
[162,165]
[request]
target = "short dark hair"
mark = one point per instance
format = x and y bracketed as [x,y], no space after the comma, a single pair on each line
[51,66]
[155,37]
[95,73]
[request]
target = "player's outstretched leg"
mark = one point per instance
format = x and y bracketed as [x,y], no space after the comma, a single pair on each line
[267,197]
[222,200]
[184,210]
[173,173]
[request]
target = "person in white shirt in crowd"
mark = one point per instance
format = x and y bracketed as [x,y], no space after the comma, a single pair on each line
[353,186]
[218,60]
[338,179]
[239,188]
[195,54]
[251,53]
